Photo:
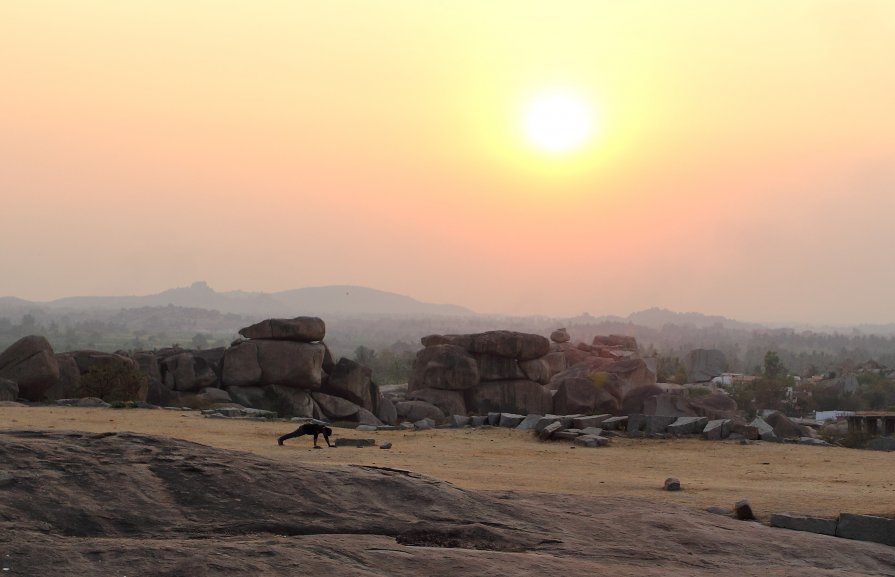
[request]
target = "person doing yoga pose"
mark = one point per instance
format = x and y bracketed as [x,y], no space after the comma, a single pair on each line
[309,429]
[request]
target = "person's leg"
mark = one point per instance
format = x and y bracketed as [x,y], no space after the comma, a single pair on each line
[326,438]
[296,433]
[315,440]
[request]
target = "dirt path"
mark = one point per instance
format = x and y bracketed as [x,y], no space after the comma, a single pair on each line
[774,477]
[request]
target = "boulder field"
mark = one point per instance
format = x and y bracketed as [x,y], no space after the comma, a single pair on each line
[284,366]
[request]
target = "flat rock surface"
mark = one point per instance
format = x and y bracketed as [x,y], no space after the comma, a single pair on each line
[125,503]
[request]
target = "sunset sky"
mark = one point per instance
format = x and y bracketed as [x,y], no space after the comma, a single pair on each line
[739,157]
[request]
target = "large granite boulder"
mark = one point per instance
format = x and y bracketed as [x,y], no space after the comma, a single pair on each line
[496,368]
[272,362]
[336,408]
[443,366]
[632,373]
[511,344]
[386,411]
[585,396]
[187,372]
[783,426]
[717,405]
[351,380]
[299,329]
[704,364]
[30,362]
[450,402]
[517,396]
[69,378]
[653,400]
[414,411]
[542,369]
[560,336]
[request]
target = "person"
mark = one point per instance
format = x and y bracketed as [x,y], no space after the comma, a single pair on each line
[309,429]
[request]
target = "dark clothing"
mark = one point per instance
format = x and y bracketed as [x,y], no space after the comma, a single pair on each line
[309,429]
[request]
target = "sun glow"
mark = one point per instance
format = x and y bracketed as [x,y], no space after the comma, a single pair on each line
[557,122]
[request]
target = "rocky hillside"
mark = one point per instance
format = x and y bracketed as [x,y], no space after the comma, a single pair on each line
[128,504]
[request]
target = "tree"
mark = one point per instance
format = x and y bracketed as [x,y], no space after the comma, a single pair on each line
[773,368]
[365,356]
[200,341]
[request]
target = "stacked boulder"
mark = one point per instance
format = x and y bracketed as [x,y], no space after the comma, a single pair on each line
[494,371]
[281,365]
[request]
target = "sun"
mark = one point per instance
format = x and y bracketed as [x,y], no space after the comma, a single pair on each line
[557,122]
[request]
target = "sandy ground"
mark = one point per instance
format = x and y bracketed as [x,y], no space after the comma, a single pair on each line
[774,477]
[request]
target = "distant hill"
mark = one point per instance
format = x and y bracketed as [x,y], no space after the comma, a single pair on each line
[325,300]
[658,318]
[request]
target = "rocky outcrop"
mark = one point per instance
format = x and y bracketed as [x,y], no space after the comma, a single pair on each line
[299,329]
[516,396]
[352,381]
[9,390]
[31,363]
[443,366]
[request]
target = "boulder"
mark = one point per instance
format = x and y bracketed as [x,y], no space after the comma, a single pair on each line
[672,484]
[240,366]
[717,405]
[288,402]
[651,400]
[249,397]
[462,341]
[414,411]
[543,422]
[716,430]
[353,381]
[615,423]
[510,421]
[291,364]
[69,378]
[573,355]
[657,424]
[495,368]
[511,344]
[703,365]
[424,424]
[560,336]
[386,412]
[742,510]
[299,329]
[328,362]
[636,422]
[335,408]
[623,342]
[584,395]
[365,417]
[185,372]
[458,421]
[216,395]
[804,523]
[529,422]
[148,365]
[443,366]
[589,421]
[866,528]
[593,431]
[538,370]
[632,373]
[550,430]
[765,431]
[478,420]
[518,396]
[783,427]
[9,390]
[450,402]
[688,425]
[30,362]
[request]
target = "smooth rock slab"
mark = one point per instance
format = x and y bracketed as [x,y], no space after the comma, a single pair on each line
[529,422]
[656,424]
[804,523]
[348,442]
[589,421]
[866,528]
[510,420]
[458,421]
[549,430]
[688,425]
[614,423]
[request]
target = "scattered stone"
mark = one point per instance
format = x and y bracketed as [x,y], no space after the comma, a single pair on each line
[587,441]
[458,421]
[804,523]
[510,420]
[478,420]
[614,423]
[543,422]
[866,528]
[493,419]
[716,430]
[765,431]
[349,442]
[743,510]
[386,445]
[529,422]
[657,424]
[636,422]
[407,426]
[594,431]
[688,425]
[423,424]
[564,436]
[589,421]
[549,430]
[672,484]
[366,428]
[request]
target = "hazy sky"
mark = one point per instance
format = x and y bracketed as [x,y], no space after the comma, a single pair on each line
[742,160]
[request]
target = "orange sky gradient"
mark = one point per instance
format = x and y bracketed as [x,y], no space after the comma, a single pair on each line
[744,161]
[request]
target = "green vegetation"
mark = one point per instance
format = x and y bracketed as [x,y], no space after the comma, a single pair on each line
[119,382]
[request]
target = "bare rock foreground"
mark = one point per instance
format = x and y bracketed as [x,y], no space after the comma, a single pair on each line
[74,503]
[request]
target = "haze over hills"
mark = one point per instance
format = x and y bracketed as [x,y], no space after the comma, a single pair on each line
[317,301]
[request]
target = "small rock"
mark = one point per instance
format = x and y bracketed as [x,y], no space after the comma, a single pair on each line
[743,510]
[672,484]
[424,424]
[385,446]
[549,430]
[719,511]
[366,428]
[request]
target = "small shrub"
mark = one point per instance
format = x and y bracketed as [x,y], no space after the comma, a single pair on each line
[118,382]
